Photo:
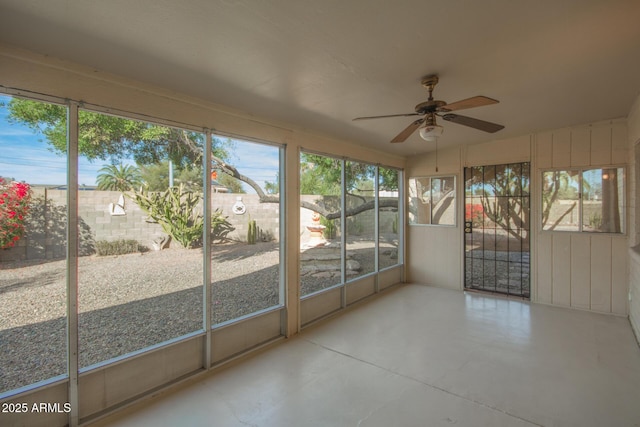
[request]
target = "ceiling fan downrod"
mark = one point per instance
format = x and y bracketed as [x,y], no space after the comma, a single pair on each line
[429,82]
[430,105]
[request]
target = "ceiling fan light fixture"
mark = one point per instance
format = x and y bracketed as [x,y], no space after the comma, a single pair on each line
[432,108]
[431,133]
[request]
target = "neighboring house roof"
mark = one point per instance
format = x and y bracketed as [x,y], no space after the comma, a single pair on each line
[219,188]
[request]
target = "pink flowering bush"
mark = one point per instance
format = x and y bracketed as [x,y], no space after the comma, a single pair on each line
[474,213]
[14,206]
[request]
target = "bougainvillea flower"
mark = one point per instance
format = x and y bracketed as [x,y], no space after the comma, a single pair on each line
[14,206]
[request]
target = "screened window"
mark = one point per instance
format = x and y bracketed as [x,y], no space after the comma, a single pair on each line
[587,200]
[140,220]
[33,242]
[247,244]
[432,200]
[349,223]
[389,219]
[320,224]
[360,222]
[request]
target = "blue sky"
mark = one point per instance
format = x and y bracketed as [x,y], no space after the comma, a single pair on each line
[25,156]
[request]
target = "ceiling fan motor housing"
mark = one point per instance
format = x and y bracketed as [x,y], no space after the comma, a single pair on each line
[430,106]
[433,107]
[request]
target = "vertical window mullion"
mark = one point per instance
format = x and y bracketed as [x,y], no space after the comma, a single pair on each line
[401,219]
[343,231]
[206,249]
[72,260]
[376,224]
[580,199]
[283,292]
[430,200]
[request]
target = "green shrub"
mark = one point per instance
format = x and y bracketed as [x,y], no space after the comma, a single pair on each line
[118,247]
[330,228]
[176,211]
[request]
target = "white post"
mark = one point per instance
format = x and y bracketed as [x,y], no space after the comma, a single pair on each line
[72,260]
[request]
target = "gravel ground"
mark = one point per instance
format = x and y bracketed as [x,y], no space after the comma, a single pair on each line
[127,303]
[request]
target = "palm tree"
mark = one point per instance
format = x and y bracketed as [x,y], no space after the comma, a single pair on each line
[118,177]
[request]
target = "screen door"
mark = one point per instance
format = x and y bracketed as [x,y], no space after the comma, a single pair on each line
[496,229]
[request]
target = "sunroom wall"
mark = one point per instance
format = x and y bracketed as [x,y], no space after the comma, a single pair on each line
[633,123]
[36,73]
[581,270]
[103,390]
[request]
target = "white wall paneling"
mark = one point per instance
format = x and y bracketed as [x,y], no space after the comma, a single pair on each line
[634,292]
[587,271]
[544,263]
[543,150]
[633,138]
[601,144]
[561,270]
[561,148]
[511,150]
[601,273]
[580,277]
[619,276]
[581,146]
[620,150]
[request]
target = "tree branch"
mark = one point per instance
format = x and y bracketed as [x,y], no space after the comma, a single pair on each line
[383,203]
[264,198]
[232,171]
[555,224]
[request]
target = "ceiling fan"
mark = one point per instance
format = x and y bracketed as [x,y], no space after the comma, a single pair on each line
[429,129]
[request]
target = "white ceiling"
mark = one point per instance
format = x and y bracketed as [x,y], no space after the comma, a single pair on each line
[320,63]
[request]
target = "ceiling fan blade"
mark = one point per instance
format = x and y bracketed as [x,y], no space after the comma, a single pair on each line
[476,101]
[474,123]
[406,133]
[384,117]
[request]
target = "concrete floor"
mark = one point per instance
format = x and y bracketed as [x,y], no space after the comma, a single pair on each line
[423,356]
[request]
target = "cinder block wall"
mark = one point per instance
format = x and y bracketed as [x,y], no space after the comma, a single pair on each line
[46,224]
[45,236]
[266,215]
[93,209]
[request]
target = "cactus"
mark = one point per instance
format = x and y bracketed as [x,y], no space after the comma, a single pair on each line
[176,210]
[252,232]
